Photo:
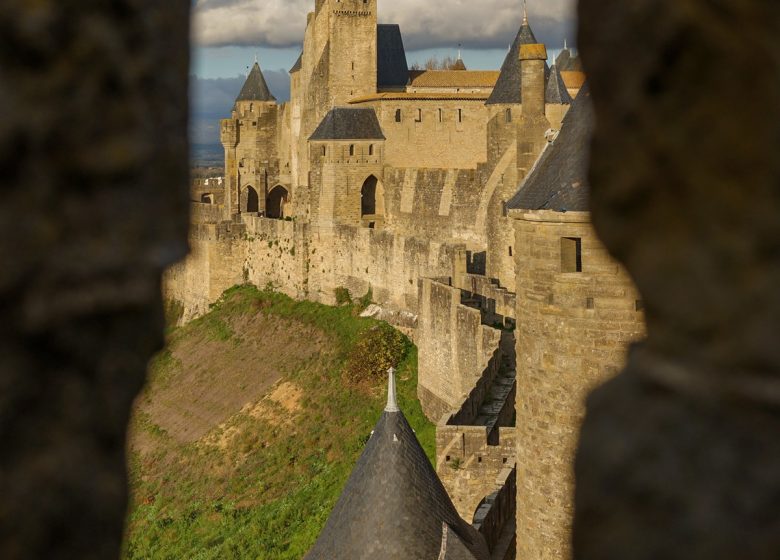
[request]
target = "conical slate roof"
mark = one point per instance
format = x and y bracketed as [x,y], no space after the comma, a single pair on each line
[509,83]
[394,506]
[567,62]
[556,89]
[559,180]
[255,88]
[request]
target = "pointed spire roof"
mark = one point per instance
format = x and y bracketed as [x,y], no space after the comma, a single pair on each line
[255,88]
[508,87]
[394,505]
[556,89]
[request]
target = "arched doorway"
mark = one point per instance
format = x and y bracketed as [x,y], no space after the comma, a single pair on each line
[207,198]
[368,205]
[251,200]
[277,199]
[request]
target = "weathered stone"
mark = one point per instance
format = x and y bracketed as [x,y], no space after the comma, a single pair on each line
[93,164]
[679,454]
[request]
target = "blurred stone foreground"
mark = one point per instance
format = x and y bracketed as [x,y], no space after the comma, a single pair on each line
[94,174]
[679,455]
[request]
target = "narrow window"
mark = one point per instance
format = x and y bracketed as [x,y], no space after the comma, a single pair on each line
[590,303]
[251,107]
[571,254]
[419,115]
[353,64]
[398,115]
[324,151]
[351,149]
[460,115]
[510,250]
[509,115]
[441,115]
[371,149]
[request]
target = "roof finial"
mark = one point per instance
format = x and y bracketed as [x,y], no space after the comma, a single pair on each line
[256,60]
[525,12]
[566,44]
[392,404]
[459,49]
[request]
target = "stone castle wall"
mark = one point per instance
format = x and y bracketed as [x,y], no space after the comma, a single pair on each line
[455,348]
[573,329]
[469,465]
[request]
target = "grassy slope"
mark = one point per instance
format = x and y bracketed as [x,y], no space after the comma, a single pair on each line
[260,485]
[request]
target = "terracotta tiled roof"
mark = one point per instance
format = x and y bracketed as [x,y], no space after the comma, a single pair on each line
[403,96]
[573,80]
[453,78]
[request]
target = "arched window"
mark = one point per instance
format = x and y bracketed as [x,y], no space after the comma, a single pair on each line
[275,203]
[509,115]
[368,197]
[251,200]
[398,115]
[324,151]
[371,149]
[351,149]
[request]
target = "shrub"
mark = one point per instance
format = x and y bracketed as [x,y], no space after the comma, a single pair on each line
[343,296]
[378,349]
[366,300]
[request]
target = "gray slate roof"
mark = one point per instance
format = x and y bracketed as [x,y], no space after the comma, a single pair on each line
[567,62]
[556,90]
[347,123]
[394,506]
[298,64]
[255,88]
[509,82]
[559,181]
[392,68]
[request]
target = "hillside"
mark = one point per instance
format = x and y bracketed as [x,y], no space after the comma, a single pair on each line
[250,424]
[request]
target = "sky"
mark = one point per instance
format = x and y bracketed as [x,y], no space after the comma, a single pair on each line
[229,34]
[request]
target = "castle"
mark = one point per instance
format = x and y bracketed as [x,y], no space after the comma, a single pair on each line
[458,200]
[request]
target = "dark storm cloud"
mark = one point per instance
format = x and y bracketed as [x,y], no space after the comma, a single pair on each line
[433,23]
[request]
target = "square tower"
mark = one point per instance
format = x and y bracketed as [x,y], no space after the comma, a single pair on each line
[352,35]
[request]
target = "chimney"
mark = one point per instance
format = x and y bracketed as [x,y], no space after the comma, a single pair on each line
[532,63]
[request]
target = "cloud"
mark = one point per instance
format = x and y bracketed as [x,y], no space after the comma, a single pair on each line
[212,100]
[424,24]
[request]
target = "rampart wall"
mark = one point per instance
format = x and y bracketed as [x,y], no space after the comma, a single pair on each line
[455,348]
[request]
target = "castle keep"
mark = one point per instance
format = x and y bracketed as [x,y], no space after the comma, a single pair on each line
[459,200]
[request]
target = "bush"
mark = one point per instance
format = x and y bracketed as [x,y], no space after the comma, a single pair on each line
[366,300]
[343,296]
[378,349]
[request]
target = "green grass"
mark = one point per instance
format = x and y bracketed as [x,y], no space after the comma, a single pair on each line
[268,494]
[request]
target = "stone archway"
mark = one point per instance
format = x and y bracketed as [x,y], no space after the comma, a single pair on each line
[207,198]
[276,201]
[250,201]
[368,197]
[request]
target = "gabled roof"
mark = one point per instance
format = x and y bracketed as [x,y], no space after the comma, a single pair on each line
[452,78]
[298,64]
[509,83]
[349,123]
[255,88]
[559,180]
[556,91]
[392,68]
[394,506]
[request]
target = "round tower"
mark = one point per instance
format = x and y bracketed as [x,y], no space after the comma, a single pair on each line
[577,311]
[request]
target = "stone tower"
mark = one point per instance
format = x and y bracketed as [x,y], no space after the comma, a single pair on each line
[576,312]
[352,34]
[347,154]
[249,140]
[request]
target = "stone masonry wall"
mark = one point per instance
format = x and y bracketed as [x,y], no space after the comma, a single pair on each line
[455,348]
[573,330]
[469,466]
